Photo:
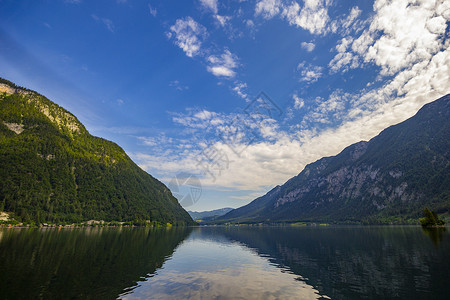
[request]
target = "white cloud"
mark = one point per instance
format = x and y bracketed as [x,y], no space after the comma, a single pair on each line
[309,73]
[349,23]
[401,34]
[221,71]
[343,61]
[239,89]
[312,16]
[250,23]
[155,141]
[282,155]
[188,35]
[268,8]
[210,5]
[404,41]
[223,65]
[344,44]
[308,46]
[222,20]
[107,22]
[177,85]
[152,10]
[298,102]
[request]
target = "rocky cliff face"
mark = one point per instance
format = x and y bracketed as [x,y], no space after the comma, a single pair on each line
[390,178]
[66,121]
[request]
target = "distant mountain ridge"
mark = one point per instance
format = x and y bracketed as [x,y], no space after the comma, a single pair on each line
[209,215]
[53,170]
[389,179]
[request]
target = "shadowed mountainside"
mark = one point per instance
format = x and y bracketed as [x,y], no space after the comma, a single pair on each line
[391,178]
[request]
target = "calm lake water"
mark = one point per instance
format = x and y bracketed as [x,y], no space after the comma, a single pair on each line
[225,263]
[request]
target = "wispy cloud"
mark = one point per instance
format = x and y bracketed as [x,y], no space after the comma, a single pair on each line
[348,24]
[107,22]
[152,10]
[222,20]
[404,42]
[177,85]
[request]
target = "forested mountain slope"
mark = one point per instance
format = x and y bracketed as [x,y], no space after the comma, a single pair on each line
[52,169]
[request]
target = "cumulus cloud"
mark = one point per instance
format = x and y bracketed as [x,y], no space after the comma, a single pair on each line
[210,5]
[188,35]
[309,73]
[312,16]
[268,8]
[405,40]
[239,89]
[308,46]
[401,34]
[223,65]
[298,102]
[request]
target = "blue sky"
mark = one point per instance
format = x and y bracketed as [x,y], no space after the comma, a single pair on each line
[239,94]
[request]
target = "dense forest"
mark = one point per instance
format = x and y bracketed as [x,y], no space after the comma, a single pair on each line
[53,170]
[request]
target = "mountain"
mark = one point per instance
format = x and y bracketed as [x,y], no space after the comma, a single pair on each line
[53,170]
[209,215]
[389,179]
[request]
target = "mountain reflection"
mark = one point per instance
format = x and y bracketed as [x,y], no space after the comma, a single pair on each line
[208,265]
[91,263]
[358,262]
[225,263]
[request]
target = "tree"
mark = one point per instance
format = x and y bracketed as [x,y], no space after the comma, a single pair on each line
[431,219]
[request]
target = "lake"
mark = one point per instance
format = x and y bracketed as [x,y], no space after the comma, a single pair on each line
[225,263]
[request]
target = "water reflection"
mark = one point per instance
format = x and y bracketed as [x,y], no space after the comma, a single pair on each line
[209,266]
[436,234]
[303,263]
[357,262]
[225,263]
[80,263]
